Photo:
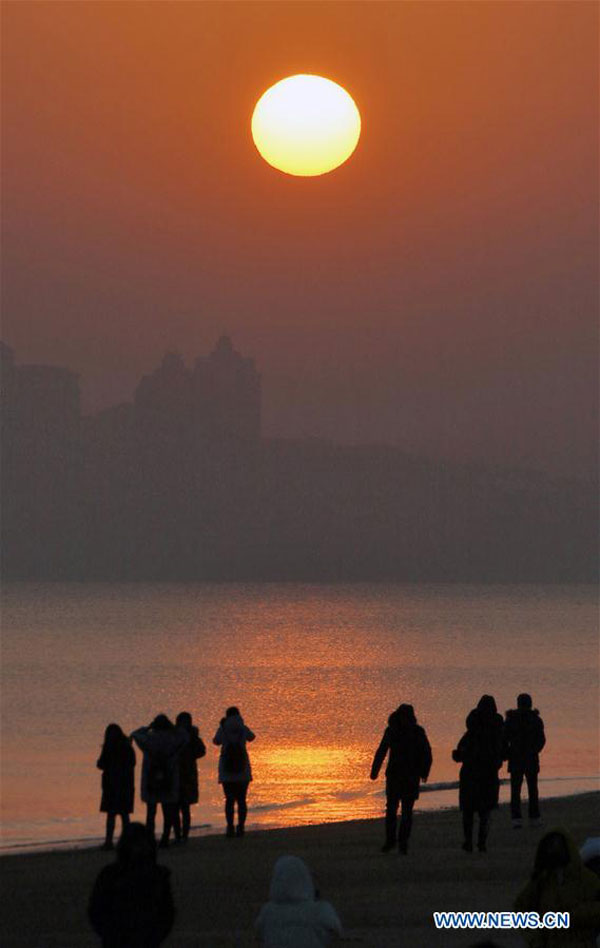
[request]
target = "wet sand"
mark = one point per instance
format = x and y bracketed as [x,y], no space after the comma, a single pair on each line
[219,885]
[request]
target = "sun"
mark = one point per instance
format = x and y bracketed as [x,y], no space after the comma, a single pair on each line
[306,125]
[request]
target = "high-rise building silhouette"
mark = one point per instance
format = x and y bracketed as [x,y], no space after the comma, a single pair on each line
[226,394]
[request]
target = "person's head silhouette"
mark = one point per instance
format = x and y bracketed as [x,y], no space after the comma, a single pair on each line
[137,847]
[183,719]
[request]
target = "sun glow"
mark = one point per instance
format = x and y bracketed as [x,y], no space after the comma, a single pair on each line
[306,125]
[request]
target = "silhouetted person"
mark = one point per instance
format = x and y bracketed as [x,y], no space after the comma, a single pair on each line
[161,743]
[295,916]
[409,762]
[235,772]
[480,752]
[524,738]
[131,905]
[188,773]
[561,883]
[117,763]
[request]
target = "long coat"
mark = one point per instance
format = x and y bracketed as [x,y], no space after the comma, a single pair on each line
[188,770]
[232,730]
[480,750]
[117,764]
[576,890]
[166,744]
[524,738]
[409,759]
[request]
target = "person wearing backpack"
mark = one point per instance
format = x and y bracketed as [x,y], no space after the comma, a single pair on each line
[235,772]
[161,743]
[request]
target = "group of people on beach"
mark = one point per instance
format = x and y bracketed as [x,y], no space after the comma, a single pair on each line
[487,742]
[132,903]
[170,776]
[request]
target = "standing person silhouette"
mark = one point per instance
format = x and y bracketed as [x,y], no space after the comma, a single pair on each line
[524,738]
[409,762]
[131,905]
[161,743]
[235,772]
[188,774]
[117,763]
[480,752]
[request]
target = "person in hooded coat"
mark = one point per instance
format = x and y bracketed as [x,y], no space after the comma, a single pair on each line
[480,751]
[295,916]
[524,738]
[131,904]
[235,772]
[561,883]
[409,762]
[161,743]
[188,774]
[117,763]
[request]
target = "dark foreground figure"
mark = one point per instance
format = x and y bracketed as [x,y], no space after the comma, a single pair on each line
[117,763]
[409,762]
[480,751]
[131,905]
[524,739]
[561,883]
[235,772]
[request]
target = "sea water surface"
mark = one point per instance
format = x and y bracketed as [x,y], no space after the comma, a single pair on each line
[315,669]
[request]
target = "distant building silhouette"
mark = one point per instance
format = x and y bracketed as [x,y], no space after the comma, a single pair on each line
[220,399]
[40,467]
[179,484]
[226,394]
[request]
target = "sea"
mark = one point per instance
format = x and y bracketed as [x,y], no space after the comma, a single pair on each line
[315,671]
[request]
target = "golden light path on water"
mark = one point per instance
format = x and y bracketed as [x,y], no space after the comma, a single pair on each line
[315,670]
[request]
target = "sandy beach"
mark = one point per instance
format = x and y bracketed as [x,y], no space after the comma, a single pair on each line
[219,885]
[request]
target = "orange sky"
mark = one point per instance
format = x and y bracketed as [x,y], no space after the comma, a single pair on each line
[439,290]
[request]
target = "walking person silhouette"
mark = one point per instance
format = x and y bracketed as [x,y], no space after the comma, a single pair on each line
[188,774]
[161,743]
[117,763]
[235,772]
[409,762]
[480,753]
[524,738]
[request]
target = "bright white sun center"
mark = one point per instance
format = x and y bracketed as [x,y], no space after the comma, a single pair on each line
[306,125]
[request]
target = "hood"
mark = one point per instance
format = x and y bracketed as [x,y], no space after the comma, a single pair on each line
[292,881]
[477,718]
[233,726]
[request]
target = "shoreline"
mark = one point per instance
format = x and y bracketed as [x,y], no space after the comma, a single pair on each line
[211,830]
[384,901]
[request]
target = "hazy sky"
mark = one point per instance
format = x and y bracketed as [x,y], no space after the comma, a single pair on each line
[439,290]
